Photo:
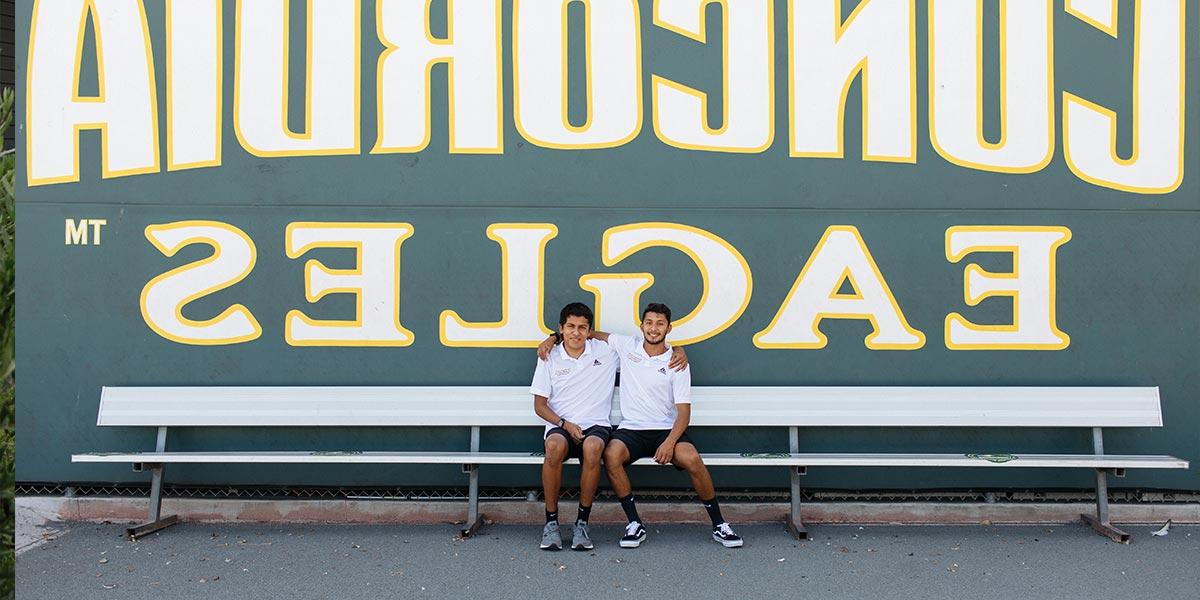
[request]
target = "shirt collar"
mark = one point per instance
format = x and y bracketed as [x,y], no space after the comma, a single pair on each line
[562,350]
[641,348]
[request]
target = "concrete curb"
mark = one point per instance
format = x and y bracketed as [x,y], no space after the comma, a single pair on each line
[130,510]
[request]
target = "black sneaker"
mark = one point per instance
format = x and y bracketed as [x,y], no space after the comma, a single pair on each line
[635,534]
[725,536]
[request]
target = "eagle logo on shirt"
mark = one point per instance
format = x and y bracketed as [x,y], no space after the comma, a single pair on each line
[562,372]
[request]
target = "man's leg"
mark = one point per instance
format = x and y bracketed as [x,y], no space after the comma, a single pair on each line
[589,480]
[589,476]
[556,453]
[615,457]
[688,459]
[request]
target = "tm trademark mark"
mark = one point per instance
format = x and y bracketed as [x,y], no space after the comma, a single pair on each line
[77,231]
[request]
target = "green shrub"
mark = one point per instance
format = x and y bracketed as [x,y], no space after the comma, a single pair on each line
[7,350]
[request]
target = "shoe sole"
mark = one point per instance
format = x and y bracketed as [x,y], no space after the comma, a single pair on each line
[635,543]
[582,547]
[551,548]
[727,543]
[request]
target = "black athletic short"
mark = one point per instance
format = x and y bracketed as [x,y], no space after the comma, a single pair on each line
[574,448]
[644,443]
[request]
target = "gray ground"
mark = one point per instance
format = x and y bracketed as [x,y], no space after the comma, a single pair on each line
[89,560]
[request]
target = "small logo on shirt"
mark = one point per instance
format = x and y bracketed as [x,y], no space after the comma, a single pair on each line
[663,370]
[596,363]
[562,372]
[633,357]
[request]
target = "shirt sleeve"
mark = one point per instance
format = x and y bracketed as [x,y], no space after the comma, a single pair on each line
[681,385]
[541,379]
[620,343]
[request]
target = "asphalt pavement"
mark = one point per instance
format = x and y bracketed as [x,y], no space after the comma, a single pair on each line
[301,561]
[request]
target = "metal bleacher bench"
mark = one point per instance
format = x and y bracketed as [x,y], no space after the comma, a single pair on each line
[790,407]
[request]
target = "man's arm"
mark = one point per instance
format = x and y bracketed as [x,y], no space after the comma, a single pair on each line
[548,344]
[666,451]
[541,406]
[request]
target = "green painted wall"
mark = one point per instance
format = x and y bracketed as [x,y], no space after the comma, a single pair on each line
[1126,282]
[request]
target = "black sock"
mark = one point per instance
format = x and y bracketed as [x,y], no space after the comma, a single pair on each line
[552,517]
[630,509]
[585,512]
[714,511]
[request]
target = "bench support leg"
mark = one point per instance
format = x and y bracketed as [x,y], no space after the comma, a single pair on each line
[794,524]
[1100,521]
[155,521]
[474,518]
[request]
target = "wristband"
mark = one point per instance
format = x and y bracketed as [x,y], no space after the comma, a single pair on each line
[561,421]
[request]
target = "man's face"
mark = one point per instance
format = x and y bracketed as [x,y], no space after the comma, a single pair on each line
[575,333]
[655,327]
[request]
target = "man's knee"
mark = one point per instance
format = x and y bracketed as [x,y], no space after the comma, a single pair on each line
[556,448]
[593,449]
[687,458]
[614,456]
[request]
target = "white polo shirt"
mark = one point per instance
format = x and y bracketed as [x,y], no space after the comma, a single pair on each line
[580,389]
[649,388]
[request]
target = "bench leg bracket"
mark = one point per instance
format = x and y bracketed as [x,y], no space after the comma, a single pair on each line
[133,533]
[1106,529]
[794,524]
[155,520]
[1100,521]
[474,517]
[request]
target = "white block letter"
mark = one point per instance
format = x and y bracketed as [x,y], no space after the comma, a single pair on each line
[260,87]
[614,73]
[471,53]
[840,257]
[748,87]
[1090,130]
[193,84]
[1026,86]
[164,298]
[1030,285]
[879,40]
[125,110]
[521,325]
[374,281]
[725,274]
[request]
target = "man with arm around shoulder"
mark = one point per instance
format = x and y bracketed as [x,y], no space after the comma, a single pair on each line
[572,391]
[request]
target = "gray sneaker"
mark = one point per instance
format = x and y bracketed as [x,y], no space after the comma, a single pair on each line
[551,540]
[581,540]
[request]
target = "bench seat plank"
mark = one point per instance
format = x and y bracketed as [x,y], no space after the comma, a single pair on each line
[1111,461]
[726,406]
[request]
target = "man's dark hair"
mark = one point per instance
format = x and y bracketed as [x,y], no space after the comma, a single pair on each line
[575,309]
[655,307]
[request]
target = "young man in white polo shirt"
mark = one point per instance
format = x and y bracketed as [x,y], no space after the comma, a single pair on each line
[656,407]
[572,391]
